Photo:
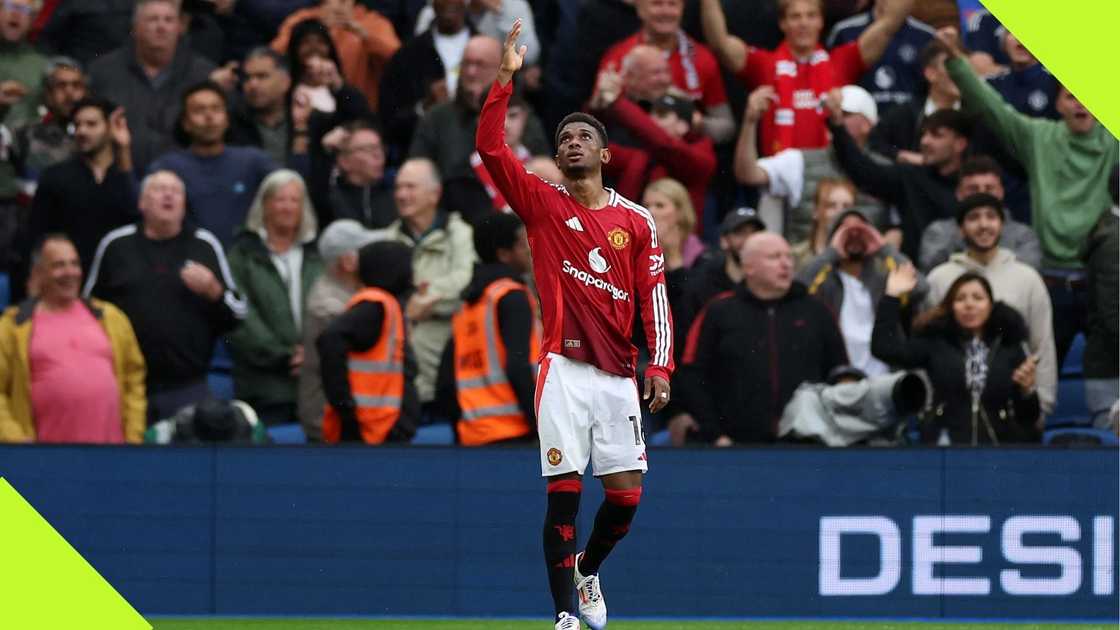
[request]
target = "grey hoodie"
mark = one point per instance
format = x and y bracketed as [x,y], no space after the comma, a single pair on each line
[1021,287]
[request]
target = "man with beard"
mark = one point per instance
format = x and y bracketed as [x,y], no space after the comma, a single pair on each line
[266,121]
[850,278]
[596,260]
[981,218]
[47,141]
[93,192]
[446,133]
[221,180]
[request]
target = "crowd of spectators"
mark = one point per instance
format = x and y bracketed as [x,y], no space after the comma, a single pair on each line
[854,204]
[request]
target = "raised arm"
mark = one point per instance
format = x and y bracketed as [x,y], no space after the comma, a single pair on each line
[1014,129]
[518,186]
[731,51]
[888,341]
[747,170]
[874,40]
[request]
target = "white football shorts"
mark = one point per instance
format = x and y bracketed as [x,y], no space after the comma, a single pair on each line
[585,414]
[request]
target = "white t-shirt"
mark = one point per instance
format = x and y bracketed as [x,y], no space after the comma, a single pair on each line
[786,170]
[450,50]
[290,267]
[857,319]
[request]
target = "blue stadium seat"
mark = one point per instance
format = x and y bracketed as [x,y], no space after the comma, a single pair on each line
[1079,436]
[661,438]
[1070,408]
[439,434]
[287,434]
[221,385]
[5,290]
[1072,366]
[222,360]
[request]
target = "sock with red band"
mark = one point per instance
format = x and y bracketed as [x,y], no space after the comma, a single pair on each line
[560,541]
[611,525]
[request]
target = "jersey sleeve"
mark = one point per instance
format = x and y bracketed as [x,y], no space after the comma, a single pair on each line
[847,63]
[758,69]
[712,88]
[522,190]
[653,299]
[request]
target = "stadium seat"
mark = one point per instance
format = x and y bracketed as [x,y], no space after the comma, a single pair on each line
[287,434]
[222,360]
[661,438]
[5,290]
[1072,366]
[438,434]
[221,385]
[1079,436]
[1070,409]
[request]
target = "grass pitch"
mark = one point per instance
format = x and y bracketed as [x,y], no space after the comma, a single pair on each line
[503,624]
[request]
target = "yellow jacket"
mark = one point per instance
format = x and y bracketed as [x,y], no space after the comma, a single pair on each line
[16,422]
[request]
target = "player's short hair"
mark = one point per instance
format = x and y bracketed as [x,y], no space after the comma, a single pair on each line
[583,118]
[493,232]
[950,119]
[980,165]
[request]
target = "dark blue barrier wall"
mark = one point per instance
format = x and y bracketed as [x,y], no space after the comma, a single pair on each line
[434,531]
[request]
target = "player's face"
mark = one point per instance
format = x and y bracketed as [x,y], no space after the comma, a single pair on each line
[981,228]
[987,183]
[661,17]
[579,152]
[802,24]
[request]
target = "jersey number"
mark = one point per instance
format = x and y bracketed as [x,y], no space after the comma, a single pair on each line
[638,432]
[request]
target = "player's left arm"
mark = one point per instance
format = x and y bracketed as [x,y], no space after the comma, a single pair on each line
[873,42]
[649,286]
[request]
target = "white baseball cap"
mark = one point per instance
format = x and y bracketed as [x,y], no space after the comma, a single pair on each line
[345,235]
[856,100]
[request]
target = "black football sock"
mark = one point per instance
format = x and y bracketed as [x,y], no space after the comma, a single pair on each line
[612,522]
[560,541]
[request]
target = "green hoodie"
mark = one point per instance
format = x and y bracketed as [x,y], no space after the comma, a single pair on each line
[1067,171]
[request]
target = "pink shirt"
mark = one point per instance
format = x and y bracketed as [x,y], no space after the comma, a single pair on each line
[74,394]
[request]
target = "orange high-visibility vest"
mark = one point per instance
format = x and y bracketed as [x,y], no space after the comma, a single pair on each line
[490,411]
[376,375]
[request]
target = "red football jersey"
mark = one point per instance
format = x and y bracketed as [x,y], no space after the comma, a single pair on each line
[693,67]
[591,266]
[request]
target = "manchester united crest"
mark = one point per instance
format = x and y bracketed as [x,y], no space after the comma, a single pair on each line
[554,456]
[618,238]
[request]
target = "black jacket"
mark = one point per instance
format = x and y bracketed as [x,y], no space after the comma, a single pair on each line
[515,322]
[919,192]
[1103,332]
[707,279]
[939,349]
[745,357]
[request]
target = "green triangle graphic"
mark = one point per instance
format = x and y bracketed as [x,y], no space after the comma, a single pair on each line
[1077,44]
[45,584]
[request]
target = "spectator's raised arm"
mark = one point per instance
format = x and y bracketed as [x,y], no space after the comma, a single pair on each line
[731,50]
[874,41]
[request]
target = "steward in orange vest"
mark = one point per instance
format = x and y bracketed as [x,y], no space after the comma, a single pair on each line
[487,374]
[365,362]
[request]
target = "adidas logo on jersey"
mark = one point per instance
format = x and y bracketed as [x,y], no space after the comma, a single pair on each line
[574,224]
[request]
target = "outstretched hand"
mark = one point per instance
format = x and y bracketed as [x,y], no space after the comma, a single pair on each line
[512,55]
[950,38]
[902,279]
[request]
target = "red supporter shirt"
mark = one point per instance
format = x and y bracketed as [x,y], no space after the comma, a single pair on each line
[591,266]
[810,82]
[704,85]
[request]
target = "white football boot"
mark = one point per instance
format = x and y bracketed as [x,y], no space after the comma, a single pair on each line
[592,608]
[567,622]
